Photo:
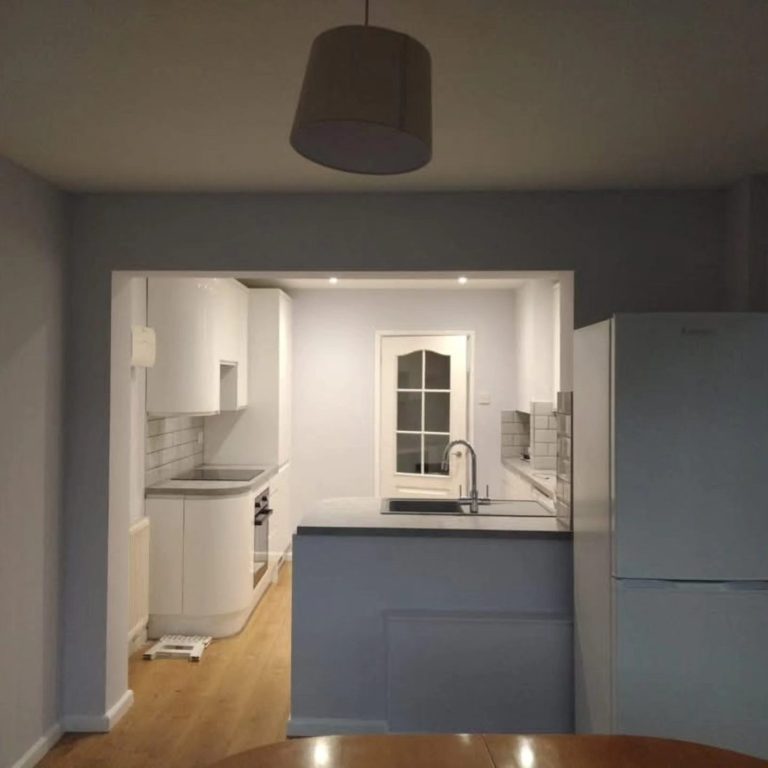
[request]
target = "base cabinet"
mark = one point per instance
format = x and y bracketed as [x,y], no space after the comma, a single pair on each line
[281,522]
[218,555]
[201,565]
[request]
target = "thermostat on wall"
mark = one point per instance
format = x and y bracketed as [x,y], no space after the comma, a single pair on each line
[142,346]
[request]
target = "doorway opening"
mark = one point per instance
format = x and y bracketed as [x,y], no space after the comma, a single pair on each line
[352,387]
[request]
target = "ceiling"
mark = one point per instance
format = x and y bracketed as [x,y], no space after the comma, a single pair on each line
[527,94]
[397,282]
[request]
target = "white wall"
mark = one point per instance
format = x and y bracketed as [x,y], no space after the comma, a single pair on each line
[334,378]
[31,341]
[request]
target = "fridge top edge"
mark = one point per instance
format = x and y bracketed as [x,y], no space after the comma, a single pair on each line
[678,315]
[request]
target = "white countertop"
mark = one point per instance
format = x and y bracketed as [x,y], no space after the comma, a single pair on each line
[364,514]
[543,479]
[214,487]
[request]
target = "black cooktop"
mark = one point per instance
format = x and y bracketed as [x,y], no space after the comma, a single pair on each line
[219,474]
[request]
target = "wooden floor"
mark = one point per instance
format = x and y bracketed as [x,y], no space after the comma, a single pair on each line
[188,715]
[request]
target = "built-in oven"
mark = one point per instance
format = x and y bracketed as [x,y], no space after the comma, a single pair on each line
[261,513]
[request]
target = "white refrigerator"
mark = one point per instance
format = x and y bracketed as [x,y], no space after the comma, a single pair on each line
[670,516]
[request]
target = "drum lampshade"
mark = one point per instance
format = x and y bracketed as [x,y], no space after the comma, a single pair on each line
[366,102]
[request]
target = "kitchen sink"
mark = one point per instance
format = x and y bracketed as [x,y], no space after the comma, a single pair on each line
[422,507]
[495,508]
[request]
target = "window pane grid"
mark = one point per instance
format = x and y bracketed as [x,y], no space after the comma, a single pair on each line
[421,454]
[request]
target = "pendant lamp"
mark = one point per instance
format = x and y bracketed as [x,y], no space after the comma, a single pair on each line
[366,102]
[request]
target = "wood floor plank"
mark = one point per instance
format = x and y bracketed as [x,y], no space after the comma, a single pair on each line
[191,715]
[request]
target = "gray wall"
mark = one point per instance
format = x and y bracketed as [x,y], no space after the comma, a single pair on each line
[631,251]
[31,344]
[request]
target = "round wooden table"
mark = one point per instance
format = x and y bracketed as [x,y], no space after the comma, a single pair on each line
[488,751]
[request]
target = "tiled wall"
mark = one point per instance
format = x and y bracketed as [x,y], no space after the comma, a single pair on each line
[543,436]
[515,433]
[173,445]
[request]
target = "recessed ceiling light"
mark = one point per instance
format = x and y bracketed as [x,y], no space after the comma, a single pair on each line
[333,280]
[463,280]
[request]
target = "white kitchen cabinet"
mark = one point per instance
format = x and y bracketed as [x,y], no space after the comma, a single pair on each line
[281,524]
[231,326]
[201,564]
[201,326]
[270,345]
[166,555]
[218,553]
[261,433]
[185,377]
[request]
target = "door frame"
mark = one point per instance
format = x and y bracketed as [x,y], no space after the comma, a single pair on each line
[379,337]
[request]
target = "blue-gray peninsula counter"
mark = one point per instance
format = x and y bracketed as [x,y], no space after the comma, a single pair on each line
[430,623]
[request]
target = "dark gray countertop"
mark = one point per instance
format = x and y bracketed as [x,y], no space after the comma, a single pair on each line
[362,516]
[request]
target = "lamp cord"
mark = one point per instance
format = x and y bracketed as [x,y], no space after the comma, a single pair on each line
[366,12]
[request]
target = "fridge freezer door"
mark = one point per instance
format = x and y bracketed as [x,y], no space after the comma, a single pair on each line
[690,432]
[691,662]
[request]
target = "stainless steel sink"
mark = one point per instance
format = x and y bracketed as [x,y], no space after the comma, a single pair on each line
[496,508]
[423,507]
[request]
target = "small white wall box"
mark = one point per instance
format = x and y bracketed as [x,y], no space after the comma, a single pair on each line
[142,346]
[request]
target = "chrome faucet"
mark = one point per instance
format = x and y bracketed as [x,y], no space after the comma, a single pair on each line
[473,498]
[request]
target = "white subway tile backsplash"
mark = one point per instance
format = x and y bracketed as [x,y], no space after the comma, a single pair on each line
[174,444]
[545,436]
[515,433]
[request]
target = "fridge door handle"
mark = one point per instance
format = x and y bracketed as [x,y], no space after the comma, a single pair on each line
[746,586]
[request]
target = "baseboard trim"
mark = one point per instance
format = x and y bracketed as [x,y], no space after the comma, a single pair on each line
[99,723]
[40,748]
[138,636]
[332,726]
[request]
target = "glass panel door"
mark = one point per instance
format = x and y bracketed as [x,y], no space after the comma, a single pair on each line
[423,412]
[423,385]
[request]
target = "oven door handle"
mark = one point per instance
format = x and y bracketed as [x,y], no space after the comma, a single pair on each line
[261,516]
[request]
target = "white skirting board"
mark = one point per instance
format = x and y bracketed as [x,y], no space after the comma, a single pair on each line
[40,748]
[138,607]
[99,723]
[323,726]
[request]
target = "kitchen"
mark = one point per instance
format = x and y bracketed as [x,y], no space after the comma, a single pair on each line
[352,550]
[231,405]
[624,151]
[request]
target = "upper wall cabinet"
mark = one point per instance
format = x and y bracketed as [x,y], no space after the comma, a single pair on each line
[231,321]
[262,433]
[201,325]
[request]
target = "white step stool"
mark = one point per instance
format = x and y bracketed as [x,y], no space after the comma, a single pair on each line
[178,646]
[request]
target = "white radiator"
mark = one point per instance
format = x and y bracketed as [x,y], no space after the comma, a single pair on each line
[138,604]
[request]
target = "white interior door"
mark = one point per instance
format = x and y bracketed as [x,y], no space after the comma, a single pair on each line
[423,406]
